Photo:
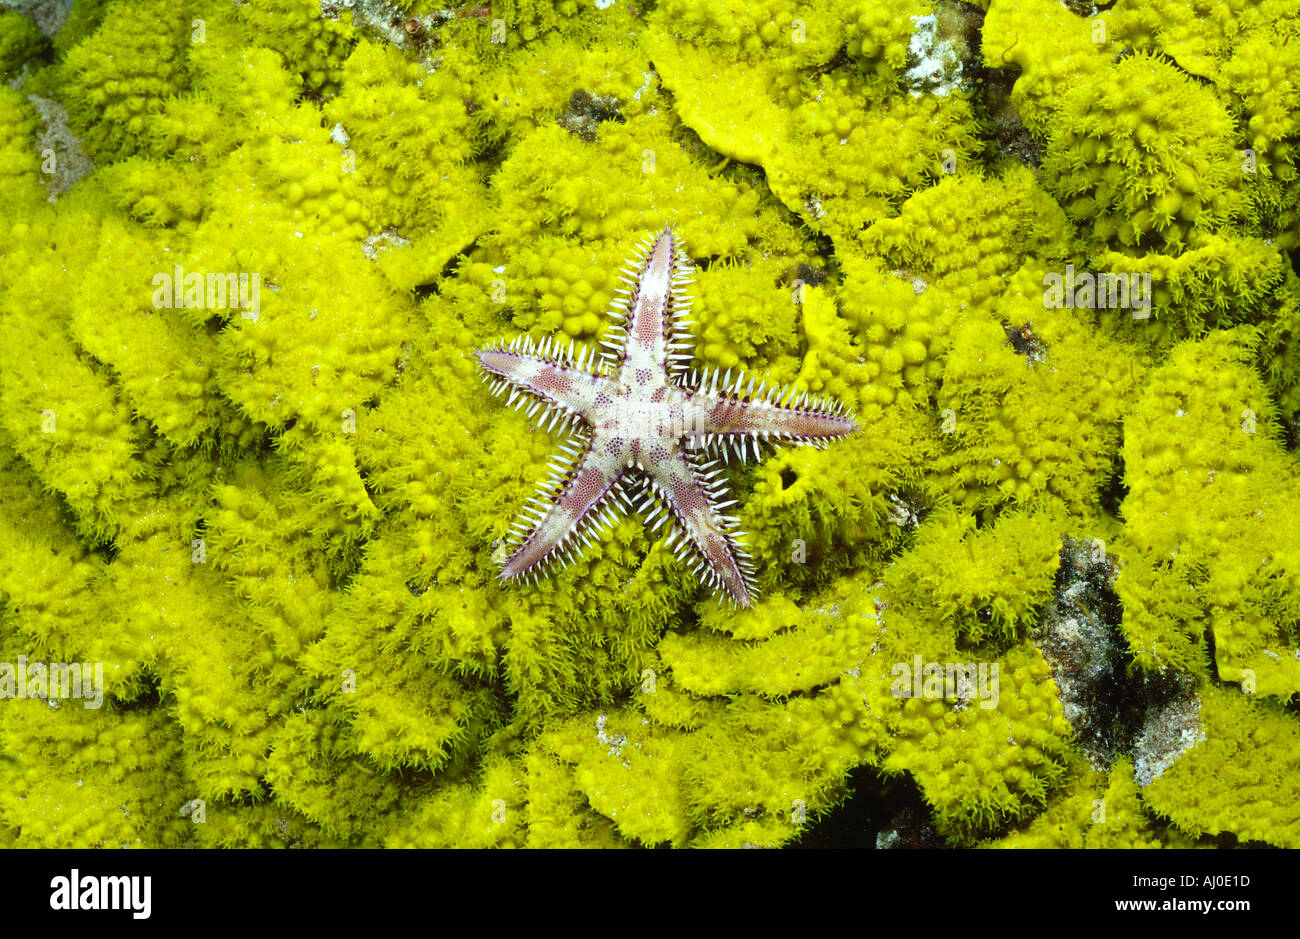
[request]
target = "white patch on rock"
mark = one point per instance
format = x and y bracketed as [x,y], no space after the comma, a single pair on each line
[70,162]
[938,68]
[48,15]
[372,245]
[615,742]
[1169,732]
[382,19]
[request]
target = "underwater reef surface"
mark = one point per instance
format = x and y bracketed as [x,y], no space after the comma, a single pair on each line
[253,495]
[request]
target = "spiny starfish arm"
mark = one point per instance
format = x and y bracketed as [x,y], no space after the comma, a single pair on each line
[639,417]
[554,526]
[692,495]
[543,376]
[651,336]
[732,412]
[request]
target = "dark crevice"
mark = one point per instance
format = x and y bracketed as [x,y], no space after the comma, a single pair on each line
[586,112]
[1109,702]
[882,812]
[1115,491]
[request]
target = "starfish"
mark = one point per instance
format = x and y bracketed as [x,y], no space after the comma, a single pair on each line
[648,432]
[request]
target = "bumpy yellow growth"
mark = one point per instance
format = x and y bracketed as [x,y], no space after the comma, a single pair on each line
[1207,477]
[272,512]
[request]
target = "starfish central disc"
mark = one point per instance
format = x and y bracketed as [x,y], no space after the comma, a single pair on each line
[647,433]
